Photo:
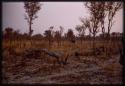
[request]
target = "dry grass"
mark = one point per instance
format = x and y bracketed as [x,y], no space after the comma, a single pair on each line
[43,66]
[19,47]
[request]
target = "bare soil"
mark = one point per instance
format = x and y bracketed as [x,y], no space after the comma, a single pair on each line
[86,70]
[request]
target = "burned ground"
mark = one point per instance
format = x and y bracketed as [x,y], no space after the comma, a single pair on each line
[33,66]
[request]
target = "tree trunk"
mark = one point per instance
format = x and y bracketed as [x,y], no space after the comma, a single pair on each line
[30,27]
[90,40]
[109,27]
[94,44]
[30,30]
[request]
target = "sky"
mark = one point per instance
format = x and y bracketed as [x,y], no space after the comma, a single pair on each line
[55,14]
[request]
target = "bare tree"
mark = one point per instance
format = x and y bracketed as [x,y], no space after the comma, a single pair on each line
[102,6]
[31,9]
[94,22]
[109,9]
[112,8]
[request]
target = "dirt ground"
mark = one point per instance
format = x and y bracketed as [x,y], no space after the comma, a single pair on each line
[86,70]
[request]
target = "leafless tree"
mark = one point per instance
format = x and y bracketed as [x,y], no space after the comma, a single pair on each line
[94,21]
[112,8]
[102,6]
[109,9]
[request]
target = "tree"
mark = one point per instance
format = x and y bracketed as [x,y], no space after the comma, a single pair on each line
[70,35]
[102,17]
[112,8]
[109,9]
[94,21]
[37,37]
[11,35]
[49,35]
[86,24]
[25,36]
[81,30]
[98,12]
[71,38]
[17,35]
[8,33]
[58,37]
[31,9]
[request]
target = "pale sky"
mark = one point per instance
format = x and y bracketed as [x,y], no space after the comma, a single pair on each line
[55,14]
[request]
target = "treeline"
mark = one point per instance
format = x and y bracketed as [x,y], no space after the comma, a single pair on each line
[50,35]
